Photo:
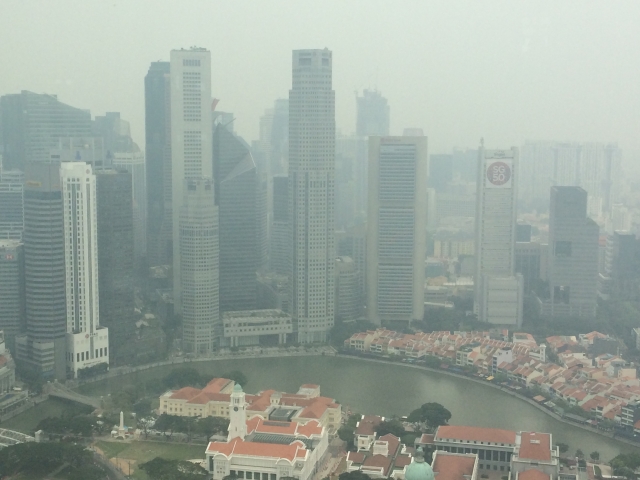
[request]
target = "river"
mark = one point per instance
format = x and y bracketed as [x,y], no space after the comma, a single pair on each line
[386,389]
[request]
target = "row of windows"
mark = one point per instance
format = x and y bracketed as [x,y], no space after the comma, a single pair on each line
[82,356]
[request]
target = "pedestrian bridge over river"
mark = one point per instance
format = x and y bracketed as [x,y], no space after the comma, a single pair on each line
[9,437]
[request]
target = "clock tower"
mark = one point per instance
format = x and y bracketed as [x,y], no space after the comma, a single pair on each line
[237,414]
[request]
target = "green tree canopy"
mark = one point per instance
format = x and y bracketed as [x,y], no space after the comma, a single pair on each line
[356,475]
[37,460]
[433,414]
[237,376]
[183,377]
[394,427]
[562,447]
[163,469]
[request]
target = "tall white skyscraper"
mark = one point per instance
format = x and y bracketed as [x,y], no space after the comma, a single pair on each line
[396,228]
[199,273]
[498,290]
[87,342]
[191,139]
[311,193]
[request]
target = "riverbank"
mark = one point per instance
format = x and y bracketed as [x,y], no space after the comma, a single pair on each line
[508,391]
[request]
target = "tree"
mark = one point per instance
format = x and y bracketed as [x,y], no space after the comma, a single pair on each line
[142,407]
[355,475]
[162,469]
[433,414]
[237,376]
[595,455]
[345,433]
[579,453]
[182,377]
[394,427]
[209,426]
[563,447]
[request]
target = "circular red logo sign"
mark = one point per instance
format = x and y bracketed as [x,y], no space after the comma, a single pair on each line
[498,173]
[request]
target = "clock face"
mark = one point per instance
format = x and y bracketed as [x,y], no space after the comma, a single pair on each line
[235,409]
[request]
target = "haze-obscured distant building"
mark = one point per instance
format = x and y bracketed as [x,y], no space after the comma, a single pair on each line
[396,229]
[11,203]
[32,125]
[348,298]
[573,255]
[280,241]
[498,288]
[12,299]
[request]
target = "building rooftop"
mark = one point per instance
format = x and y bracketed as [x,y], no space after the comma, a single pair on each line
[535,446]
[476,434]
[453,466]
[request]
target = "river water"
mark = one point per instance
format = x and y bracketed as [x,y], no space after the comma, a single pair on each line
[385,389]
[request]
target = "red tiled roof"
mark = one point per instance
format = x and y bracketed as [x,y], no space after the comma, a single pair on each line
[533,474]
[426,439]
[217,385]
[402,461]
[480,434]
[453,466]
[271,450]
[535,446]
[379,461]
[260,425]
[186,393]
[356,457]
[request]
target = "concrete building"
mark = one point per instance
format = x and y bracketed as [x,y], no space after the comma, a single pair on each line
[256,327]
[158,164]
[311,193]
[347,297]
[7,367]
[352,243]
[116,266]
[396,229]
[528,260]
[191,139]
[80,149]
[199,274]
[280,238]
[134,163]
[11,203]
[573,256]
[32,124]
[43,348]
[87,340]
[498,289]
[236,193]
[620,277]
[12,295]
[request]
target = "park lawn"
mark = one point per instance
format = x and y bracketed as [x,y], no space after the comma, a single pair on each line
[141,452]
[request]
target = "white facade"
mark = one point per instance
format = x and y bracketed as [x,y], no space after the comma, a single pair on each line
[311,193]
[87,342]
[191,136]
[133,162]
[246,327]
[396,228]
[498,291]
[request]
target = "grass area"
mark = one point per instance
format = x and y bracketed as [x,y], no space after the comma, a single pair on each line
[141,452]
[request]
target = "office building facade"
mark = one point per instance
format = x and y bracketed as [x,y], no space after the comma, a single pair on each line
[11,203]
[396,229]
[12,295]
[498,289]
[311,193]
[157,100]
[199,275]
[191,139]
[87,340]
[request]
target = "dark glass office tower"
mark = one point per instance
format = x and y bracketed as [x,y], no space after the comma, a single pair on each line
[158,163]
[236,190]
[115,260]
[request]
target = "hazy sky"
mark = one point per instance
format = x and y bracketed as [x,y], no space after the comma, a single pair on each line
[503,70]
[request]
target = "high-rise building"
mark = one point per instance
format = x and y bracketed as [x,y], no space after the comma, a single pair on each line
[236,190]
[573,255]
[11,203]
[528,258]
[199,275]
[621,275]
[498,289]
[191,139]
[157,94]
[372,119]
[133,162]
[80,149]
[87,340]
[348,301]
[352,243]
[280,241]
[115,132]
[311,193]
[396,229]
[12,300]
[33,123]
[116,259]
[43,348]
[440,171]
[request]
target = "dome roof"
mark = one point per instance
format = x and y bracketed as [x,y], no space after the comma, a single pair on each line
[237,388]
[419,469]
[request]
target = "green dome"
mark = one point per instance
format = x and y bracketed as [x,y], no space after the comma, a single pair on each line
[237,388]
[419,469]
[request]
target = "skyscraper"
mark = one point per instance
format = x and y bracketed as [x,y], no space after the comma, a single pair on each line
[236,190]
[12,300]
[191,139]
[396,229]
[573,255]
[311,193]
[199,273]
[498,290]
[33,123]
[43,348]
[11,203]
[87,341]
[116,259]
[280,241]
[158,164]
